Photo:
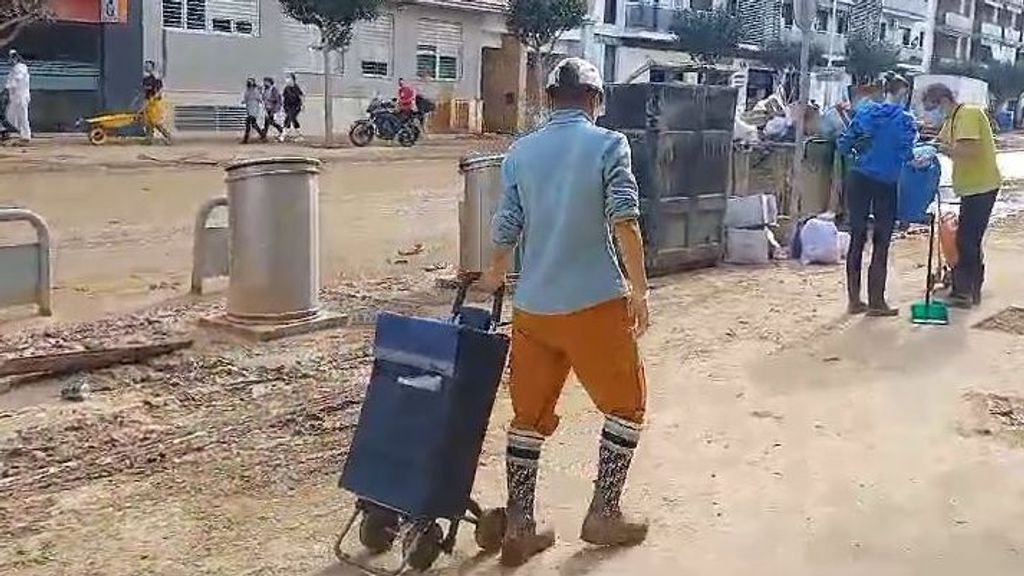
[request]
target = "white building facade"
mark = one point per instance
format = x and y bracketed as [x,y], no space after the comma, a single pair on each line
[210,47]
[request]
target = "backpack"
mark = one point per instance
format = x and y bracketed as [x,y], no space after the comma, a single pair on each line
[424,104]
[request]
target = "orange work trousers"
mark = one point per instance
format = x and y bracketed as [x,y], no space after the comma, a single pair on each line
[597,343]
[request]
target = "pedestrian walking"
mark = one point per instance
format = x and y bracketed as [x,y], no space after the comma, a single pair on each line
[19,96]
[568,188]
[966,137]
[880,141]
[252,99]
[272,105]
[293,98]
[153,107]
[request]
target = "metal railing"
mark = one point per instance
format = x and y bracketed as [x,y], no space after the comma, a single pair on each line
[210,256]
[26,267]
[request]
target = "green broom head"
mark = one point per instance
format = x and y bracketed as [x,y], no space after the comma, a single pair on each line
[933,313]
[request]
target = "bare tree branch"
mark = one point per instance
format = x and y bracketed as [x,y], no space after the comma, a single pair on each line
[15,15]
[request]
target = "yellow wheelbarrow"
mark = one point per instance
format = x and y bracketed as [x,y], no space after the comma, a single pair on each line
[100,128]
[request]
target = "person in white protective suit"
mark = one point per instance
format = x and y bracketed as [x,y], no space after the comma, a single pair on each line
[19,96]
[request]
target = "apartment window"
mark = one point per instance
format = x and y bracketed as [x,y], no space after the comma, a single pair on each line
[906,36]
[439,50]
[611,11]
[214,16]
[883,32]
[842,22]
[821,18]
[788,16]
[375,46]
[700,4]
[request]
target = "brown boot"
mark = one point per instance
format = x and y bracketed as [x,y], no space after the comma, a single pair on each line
[522,541]
[605,524]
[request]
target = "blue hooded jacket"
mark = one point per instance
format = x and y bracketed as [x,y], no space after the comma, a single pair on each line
[880,140]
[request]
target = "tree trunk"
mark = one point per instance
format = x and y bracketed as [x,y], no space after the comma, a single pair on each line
[538,71]
[328,100]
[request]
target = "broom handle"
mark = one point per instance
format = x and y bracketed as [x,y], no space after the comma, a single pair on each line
[930,281]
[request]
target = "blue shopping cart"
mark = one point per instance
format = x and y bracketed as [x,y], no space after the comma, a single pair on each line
[414,456]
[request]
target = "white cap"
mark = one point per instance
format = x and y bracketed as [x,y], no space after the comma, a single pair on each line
[575,73]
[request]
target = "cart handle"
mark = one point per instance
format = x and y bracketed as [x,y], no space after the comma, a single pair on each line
[460,299]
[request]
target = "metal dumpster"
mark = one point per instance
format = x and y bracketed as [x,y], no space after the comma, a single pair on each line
[681,138]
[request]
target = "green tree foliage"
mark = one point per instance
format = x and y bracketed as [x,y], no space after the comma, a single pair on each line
[708,35]
[539,24]
[969,69]
[333,18]
[15,15]
[784,56]
[867,58]
[1005,80]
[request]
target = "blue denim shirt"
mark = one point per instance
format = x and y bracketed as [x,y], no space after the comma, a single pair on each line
[566,184]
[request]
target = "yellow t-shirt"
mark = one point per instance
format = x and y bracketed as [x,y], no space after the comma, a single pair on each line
[979,174]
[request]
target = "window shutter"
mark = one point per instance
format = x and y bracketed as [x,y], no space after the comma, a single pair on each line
[375,40]
[299,47]
[173,14]
[241,16]
[446,36]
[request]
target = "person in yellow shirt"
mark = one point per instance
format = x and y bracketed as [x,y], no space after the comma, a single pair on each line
[966,137]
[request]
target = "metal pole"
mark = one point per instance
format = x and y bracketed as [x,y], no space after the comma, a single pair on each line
[834,31]
[805,11]
[928,49]
[328,98]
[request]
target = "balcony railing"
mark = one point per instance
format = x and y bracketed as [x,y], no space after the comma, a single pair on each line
[958,22]
[992,30]
[1007,35]
[650,17]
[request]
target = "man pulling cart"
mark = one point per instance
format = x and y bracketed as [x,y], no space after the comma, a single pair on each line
[568,187]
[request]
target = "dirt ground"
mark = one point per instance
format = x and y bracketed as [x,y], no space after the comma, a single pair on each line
[784,438]
[122,217]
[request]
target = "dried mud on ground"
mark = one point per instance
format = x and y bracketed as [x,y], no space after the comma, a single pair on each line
[223,459]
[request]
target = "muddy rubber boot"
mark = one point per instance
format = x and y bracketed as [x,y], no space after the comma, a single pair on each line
[856,305]
[877,306]
[522,540]
[605,524]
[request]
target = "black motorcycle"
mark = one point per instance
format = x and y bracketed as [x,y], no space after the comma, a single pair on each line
[387,123]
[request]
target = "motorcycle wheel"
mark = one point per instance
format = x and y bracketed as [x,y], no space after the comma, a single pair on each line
[407,136]
[361,134]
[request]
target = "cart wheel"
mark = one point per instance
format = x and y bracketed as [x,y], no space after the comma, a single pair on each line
[426,546]
[490,530]
[377,530]
[97,136]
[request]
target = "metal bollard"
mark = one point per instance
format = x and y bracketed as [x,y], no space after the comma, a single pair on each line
[26,267]
[275,240]
[209,246]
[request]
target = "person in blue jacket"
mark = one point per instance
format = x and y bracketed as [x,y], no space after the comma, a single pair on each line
[880,141]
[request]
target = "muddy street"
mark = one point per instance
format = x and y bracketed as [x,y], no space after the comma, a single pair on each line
[123,234]
[784,437]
